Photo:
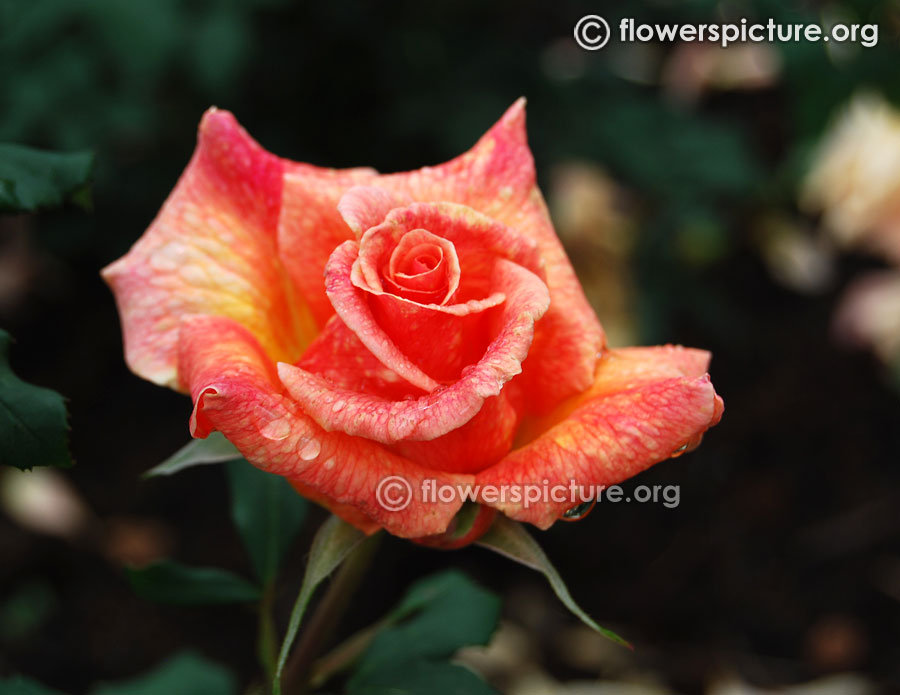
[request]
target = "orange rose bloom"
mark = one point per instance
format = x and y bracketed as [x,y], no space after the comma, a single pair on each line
[449,340]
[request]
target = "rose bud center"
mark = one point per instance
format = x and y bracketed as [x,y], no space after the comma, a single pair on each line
[423,267]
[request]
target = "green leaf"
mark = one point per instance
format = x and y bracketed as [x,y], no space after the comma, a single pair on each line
[416,677]
[438,616]
[449,611]
[170,582]
[33,427]
[198,452]
[33,179]
[510,538]
[267,512]
[20,685]
[184,673]
[334,541]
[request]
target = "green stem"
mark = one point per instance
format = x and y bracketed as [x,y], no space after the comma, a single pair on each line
[344,655]
[267,636]
[325,617]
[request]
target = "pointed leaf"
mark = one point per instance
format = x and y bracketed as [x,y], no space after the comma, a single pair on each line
[439,615]
[410,645]
[171,582]
[184,673]
[334,541]
[267,512]
[31,179]
[33,427]
[510,538]
[198,452]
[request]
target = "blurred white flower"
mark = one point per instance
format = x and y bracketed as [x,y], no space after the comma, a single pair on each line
[796,258]
[854,180]
[43,500]
[869,314]
[695,68]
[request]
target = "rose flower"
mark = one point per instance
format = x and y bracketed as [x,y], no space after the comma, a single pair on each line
[449,342]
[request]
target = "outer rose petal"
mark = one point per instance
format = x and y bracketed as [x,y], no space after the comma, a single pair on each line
[363,207]
[235,391]
[497,177]
[645,405]
[311,228]
[210,250]
[620,370]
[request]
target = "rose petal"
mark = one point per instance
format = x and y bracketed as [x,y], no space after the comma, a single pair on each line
[440,411]
[440,340]
[620,370]
[338,356]
[497,178]
[477,240]
[408,271]
[473,243]
[235,391]
[310,227]
[379,256]
[355,313]
[638,413]
[363,207]
[210,250]
[481,442]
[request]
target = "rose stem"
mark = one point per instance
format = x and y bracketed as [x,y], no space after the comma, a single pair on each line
[325,617]
[267,638]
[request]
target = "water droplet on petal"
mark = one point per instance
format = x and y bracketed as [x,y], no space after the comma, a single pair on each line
[338,406]
[579,511]
[688,446]
[276,430]
[310,450]
[679,451]
[329,464]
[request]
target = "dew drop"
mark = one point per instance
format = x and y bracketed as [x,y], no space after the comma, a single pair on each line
[679,451]
[579,511]
[276,430]
[310,450]
[338,406]
[329,464]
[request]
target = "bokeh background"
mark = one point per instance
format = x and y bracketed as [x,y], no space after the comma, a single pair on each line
[674,174]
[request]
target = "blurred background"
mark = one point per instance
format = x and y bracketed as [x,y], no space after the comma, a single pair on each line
[744,200]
